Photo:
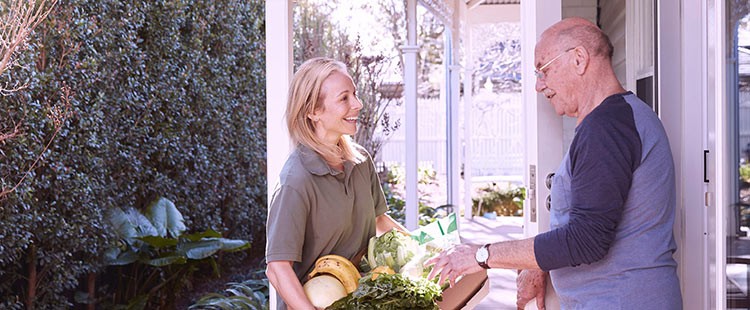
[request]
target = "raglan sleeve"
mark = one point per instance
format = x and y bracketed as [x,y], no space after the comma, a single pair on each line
[603,158]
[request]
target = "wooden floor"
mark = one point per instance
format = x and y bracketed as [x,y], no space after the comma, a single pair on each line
[479,230]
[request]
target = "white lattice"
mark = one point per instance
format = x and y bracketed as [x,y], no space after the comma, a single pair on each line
[442,9]
[497,147]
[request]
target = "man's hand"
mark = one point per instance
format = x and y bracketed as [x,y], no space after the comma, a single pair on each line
[531,284]
[453,263]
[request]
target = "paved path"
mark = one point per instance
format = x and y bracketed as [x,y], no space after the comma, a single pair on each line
[481,230]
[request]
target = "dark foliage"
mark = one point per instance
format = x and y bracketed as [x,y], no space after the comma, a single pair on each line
[167,97]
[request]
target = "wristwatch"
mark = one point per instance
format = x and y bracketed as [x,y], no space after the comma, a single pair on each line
[482,255]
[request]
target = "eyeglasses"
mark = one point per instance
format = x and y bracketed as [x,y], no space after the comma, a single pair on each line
[539,71]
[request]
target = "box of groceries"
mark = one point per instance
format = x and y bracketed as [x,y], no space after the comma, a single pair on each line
[392,275]
[470,289]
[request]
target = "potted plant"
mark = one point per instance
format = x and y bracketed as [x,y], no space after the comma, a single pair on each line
[494,199]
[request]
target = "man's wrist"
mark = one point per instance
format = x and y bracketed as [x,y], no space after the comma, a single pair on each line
[482,256]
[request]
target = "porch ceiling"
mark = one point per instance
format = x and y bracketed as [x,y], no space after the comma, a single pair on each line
[492,2]
[502,2]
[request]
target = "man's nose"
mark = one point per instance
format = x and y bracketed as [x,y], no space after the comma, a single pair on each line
[540,85]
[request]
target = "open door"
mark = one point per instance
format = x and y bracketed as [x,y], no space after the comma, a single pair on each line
[544,128]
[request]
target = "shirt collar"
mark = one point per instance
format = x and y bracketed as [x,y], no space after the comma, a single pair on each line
[315,164]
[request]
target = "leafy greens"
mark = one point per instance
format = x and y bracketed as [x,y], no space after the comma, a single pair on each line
[390,292]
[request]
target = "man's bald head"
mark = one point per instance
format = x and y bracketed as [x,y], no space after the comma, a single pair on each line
[583,75]
[576,31]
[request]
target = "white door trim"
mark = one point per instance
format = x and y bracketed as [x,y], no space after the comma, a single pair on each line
[544,128]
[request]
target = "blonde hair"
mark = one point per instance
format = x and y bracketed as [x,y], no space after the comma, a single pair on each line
[304,99]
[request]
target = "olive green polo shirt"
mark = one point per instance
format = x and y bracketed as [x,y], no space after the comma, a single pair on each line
[317,211]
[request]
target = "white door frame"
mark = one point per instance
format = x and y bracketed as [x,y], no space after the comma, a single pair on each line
[544,128]
[718,135]
[279,67]
[691,92]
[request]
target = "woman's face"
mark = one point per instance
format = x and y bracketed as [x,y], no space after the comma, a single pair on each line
[337,115]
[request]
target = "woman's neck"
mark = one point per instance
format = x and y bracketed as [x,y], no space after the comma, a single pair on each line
[336,162]
[338,167]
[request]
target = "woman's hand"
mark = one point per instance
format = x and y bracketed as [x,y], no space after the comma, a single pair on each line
[384,223]
[284,280]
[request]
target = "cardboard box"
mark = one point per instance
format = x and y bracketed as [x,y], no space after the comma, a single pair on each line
[467,293]
[470,289]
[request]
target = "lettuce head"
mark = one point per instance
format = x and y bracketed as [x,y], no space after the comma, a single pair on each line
[393,249]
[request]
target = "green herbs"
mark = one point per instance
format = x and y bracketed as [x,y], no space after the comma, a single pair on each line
[391,291]
[407,289]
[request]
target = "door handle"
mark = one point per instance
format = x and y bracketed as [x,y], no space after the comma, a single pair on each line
[705,166]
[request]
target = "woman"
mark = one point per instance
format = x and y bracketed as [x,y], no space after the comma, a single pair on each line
[329,200]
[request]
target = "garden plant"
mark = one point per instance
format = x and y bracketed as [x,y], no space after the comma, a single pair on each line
[123,102]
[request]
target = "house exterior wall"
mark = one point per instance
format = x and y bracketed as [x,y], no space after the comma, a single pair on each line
[612,22]
[586,9]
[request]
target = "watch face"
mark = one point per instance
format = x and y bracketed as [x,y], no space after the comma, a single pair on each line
[482,255]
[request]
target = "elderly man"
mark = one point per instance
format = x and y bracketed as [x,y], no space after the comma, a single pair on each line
[613,196]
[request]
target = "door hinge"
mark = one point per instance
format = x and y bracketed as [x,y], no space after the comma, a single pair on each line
[532,194]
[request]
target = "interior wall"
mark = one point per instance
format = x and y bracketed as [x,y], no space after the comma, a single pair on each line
[612,22]
[576,8]
[580,8]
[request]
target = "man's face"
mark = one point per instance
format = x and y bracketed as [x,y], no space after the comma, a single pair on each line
[553,73]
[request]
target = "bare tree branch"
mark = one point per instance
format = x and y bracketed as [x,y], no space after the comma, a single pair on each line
[58,114]
[12,133]
[18,18]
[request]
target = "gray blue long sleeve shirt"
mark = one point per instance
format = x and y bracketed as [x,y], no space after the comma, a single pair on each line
[613,206]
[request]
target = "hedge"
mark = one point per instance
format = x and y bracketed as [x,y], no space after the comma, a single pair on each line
[166,98]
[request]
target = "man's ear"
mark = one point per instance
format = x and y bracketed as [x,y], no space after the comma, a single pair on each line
[582,58]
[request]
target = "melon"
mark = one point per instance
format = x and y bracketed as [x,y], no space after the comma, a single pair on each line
[323,290]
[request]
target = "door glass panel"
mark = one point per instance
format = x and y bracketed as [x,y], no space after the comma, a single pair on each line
[738,100]
[645,90]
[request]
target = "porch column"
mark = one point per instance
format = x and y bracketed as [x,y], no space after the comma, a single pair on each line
[454,99]
[468,106]
[279,66]
[410,51]
[453,143]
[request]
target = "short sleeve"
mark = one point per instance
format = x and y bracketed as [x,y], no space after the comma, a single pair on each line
[285,227]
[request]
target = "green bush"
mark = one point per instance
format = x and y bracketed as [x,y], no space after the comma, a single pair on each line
[505,201]
[392,180]
[745,173]
[154,255]
[166,96]
[251,294]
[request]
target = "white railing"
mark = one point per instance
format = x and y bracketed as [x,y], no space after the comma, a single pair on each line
[496,143]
